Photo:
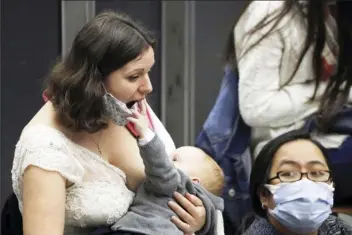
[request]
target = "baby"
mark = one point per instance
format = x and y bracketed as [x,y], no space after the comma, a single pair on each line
[188,170]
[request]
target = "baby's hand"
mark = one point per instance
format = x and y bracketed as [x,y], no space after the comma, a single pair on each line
[140,120]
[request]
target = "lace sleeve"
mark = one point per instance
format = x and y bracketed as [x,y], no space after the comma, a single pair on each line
[53,158]
[47,150]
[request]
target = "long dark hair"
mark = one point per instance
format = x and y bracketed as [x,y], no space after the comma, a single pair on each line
[262,166]
[339,84]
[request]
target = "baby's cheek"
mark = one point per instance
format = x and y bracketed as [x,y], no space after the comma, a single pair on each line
[178,165]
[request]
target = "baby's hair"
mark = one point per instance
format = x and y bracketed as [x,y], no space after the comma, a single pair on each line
[213,179]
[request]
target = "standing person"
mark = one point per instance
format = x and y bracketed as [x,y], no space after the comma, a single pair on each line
[294,61]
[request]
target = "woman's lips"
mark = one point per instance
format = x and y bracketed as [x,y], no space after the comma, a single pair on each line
[131,103]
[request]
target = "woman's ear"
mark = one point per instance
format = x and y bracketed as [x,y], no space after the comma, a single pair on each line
[263,195]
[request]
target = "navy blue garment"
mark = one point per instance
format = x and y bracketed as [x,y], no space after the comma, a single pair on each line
[341,159]
[226,138]
[341,124]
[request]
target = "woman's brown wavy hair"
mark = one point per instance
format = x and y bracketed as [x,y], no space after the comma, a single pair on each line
[74,85]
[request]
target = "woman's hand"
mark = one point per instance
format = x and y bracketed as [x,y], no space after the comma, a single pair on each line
[190,211]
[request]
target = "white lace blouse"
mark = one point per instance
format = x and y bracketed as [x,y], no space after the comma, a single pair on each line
[99,195]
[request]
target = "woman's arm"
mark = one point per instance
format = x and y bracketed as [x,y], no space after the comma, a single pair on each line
[43,202]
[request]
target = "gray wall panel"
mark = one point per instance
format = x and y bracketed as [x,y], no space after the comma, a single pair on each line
[74,15]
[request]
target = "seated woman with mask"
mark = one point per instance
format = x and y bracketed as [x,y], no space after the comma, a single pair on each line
[292,189]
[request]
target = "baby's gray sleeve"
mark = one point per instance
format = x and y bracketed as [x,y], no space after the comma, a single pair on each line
[162,178]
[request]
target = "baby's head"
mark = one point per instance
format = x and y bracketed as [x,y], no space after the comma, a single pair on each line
[200,167]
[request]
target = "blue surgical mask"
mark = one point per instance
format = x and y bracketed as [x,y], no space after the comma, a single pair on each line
[116,110]
[302,206]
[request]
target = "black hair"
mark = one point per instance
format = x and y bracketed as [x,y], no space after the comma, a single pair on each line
[263,163]
[339,84]
[262,166]
[74,86]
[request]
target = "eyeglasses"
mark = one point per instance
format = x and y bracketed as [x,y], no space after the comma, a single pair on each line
[293,176]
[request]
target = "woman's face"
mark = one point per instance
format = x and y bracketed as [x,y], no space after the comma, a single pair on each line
[296,156]
[131,82]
